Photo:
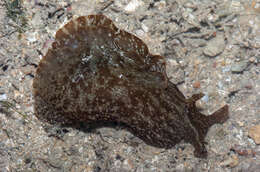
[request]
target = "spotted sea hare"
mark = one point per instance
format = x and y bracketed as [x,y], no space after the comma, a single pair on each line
[96,72]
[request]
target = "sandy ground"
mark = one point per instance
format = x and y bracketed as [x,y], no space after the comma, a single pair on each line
[210,46]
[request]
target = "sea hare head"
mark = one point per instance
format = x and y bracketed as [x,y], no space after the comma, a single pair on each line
[95,72]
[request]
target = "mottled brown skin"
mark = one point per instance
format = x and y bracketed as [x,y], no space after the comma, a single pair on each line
[97,72]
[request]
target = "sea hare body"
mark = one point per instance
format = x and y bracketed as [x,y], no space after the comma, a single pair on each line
[96,72]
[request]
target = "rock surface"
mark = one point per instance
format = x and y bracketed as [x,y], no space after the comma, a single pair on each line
[177,30]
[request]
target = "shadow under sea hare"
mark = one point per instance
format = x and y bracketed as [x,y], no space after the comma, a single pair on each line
[95,72]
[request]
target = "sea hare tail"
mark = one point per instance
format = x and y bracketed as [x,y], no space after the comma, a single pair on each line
[202,123]
[220,116]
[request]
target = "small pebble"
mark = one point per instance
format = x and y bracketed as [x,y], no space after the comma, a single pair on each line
[3,97]
[133,5]
[254,133]
[239,67]
[196,84]
[215,47]
[232,161]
